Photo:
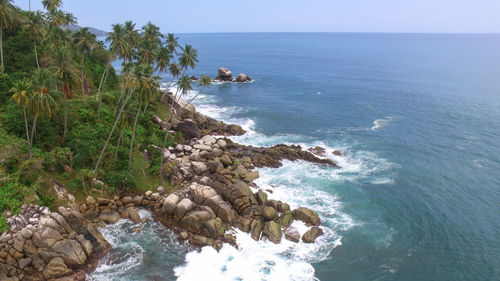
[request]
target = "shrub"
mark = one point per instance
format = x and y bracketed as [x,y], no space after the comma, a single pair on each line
[11,197]
[120,180]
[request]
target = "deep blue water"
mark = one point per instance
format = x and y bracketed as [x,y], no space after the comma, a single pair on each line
[417,118]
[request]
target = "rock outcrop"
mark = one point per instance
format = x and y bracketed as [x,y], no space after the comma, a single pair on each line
[224,74]
[243,78]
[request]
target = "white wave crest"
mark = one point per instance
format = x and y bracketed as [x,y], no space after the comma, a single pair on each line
[380,123]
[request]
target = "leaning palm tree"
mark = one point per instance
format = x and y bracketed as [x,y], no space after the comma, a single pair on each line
[84,42]
[125,120]
[184,85]
[35,25]
[42,102]
[133,38]
[130,87]
[7,20]
[21,93]
[205,81]
[66,72]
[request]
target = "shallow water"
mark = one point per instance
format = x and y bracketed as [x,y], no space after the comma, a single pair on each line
[417,119]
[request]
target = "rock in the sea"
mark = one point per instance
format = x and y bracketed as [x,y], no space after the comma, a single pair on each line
[224,74]
[292,234]
[306,215]
[243,78]
[189,129]
[269,213]
[336,152]
[273,231]
[109,216]
[318,150]
[311,235]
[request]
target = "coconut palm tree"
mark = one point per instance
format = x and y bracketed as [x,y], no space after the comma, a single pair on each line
[172,43]
[66,72]
[205,81]
[7,20]
[125,120]
[152,33]
[133,38]
[21,93]
[42,102]
[84,42]
[130,87]
[163,57]
[147,51]
[51,4]
[188,57]
[35,25]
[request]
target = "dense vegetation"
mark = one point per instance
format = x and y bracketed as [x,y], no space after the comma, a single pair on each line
[66,115]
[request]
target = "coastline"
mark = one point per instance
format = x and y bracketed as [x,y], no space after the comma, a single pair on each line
[215,178]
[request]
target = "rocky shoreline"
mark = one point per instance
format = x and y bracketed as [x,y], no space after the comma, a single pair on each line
[213,177]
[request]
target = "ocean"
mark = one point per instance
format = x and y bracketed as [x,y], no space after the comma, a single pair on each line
[417,194]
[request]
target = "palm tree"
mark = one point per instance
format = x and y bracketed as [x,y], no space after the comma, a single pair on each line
[119,47]
[84,42]
[147,51]
[42,102]
[35,26]
[51,4]
[152,33]
[130,86]
[172,43]
[205,81]
[66,72]
[188,58]
[133,38]
[7,20]
[125,121]
[163,57]
[184,85]
[22,94]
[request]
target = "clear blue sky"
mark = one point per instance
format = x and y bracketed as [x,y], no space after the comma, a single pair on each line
[183,16]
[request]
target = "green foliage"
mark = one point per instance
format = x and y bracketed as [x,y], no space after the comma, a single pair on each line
[45,199]
[19,55]
[11,197]
[120,180]
[3,225]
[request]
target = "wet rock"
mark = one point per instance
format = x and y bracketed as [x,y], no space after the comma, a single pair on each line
[286,218]
[272,231]
[269,213]
[337,153]
[243,78]
[256,229]
[311,235]
[109,216]
[224,74]
[292,234]
[306,215]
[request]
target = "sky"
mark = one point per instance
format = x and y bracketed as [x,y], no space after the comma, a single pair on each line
[200,16]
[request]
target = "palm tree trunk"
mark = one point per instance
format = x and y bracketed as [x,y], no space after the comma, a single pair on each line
[112,131]
[83,84]
[133,137]
[120,98]
[99,97]
[33,129]
[26,125]
[161,152]
[36,57]
[1,46]
[118,144]
[65,119]
[145,108]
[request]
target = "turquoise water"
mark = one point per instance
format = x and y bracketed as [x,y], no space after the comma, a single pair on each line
[417,119]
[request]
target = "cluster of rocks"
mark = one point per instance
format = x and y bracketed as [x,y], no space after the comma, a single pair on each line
[215,194]
[193,124]
[225,75]
[43,245]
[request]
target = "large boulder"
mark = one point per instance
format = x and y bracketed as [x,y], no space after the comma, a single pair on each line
[224,74]
[273,231]
[109,216]
[311,235]
[56,268]
[193,221]
[170,203]
[243,78]
[292,234]
[306,215]
[189,129]
[183,207]
[71,252]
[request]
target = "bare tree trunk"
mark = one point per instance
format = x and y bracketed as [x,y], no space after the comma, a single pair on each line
[167,133]
[26,125]
[36,57]
[65,119]
[120,98]
[133,137]
[99,97]
[83,84]
[33,129]
[1,46]
[118,144]
[145,108]
[112,131]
